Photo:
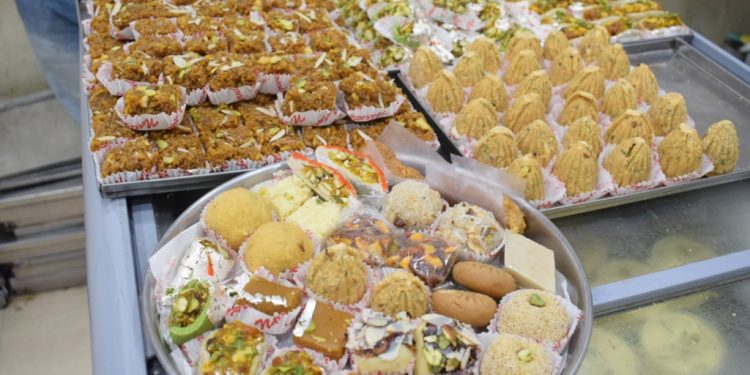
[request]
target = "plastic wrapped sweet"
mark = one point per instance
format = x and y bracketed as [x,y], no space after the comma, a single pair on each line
[644,82]
[680,152]
[589,79]
[667,112]
[577,169]
[529,169]
[579,105]
[429,257]
[412,204]
[513,354]
[476,118]
[522,40]
[445,94]
[584,129]
[722,146]
[629,162]
[523,110]
[469,69]
[521,64]
[614,62]
[593,43]
[399,292]
[370,235]
[536,82]
[619,97]
[277,247]
[470,227]
[565,66]
[338,273]
[555,43]
[425,66]
[538,140]
[487,51]
[632,123]
[497,147]
[492,88]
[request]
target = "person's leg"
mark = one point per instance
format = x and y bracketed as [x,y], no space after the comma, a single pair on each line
[52,26]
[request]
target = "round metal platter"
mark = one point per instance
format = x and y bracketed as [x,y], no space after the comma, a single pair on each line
[539,229]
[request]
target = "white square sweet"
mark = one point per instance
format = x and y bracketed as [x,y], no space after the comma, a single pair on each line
[532,264]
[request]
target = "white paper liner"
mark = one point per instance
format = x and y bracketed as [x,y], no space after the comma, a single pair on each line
[554,191]
[604,185]
[181,172]
[157,121]
[310,118]
[119,177]
[231,95]
[116,86]
[277,324]
[369,113]
[196,97]
[300,279]
[706,167]
[273,83]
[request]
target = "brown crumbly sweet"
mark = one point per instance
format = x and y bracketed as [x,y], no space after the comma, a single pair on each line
[680,152]
[521,64]
[312,19]
[644,82]
[338,274]
[326,331]
[594,43]
[395,165]
[136,68]
[207,43]
[197,25]
[472,308]
[240,22]
[476,118]
[155,46]
[722,146]
[227,144]
[536,314]
[178,150]
[514,217]
[362,90]
[538,140]
[667,112]
[231,70]
[328,39]
[151,100]
[537,82]
[135,155]
[589,79]
[357,135]
[587,130]
[484,278]
[579,105]
[425,67]
[631,123]
[492,88]
[629,162]
[280,22]
[332,135]
[620,97]
[445,94]
[577,169]
[245,42]
[101,45]
[523,110]
[487,50]
[135,11]
[107,127]
[349,60]
[188,70]
[497,147]
[290,42]
[400,291]
[274,64]
[100,101]
[555,43]
[304,95]
[565,66]
[211,118]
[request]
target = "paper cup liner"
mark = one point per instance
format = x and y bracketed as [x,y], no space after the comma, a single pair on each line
[655,179]
[231,95]
[300,279]
[369,113]
[196,97]
[273,83]
[181,172]
[157,121]
[575,315]
[116,86]
[705,168]
[487,338]
[469,21]
[309,118]
[554,191]
[288,275]
[277,323]
[318,359]
[119,177]
[187,355]
[86,26]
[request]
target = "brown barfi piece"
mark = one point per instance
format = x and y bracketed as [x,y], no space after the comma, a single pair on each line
[231,70]
[155,46]
[135,155]
[326,331]
[177,149]
[270,297]
[100,101]
[151,100]
[332,135]
[107,127]
[208,119]
[207,43]
[136,11]
[191,26]
[274,64]
[291,42]
[372,130]
[305,95]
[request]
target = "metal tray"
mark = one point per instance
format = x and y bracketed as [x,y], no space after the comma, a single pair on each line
[540,229]
[711,94]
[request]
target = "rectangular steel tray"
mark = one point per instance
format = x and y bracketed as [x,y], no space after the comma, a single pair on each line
[711,94]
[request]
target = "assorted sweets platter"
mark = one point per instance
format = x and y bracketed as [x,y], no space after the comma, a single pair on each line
[325,265]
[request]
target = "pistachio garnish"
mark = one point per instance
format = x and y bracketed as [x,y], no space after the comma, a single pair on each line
[161,144]
[536,300]
[525,355]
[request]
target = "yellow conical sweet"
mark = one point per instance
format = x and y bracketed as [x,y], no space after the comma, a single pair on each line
[590,79]
[536,82]
[644,83]
[578,105]
[476,118]
[587,130]
[722,146]
[492,88]
[425,67]
[522,40]
[565,66]
[614,62]
[445,94]
[497,148]
[469,69]
[629,162]
[523,110]
[487,51]
[593,43]
[619,98]
[555,43]
[576,168]
[529,169]
[632,123]
[537,139]
[680,152]
[521,64]
[667,112]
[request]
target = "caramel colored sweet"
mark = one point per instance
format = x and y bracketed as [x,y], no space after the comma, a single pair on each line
[492,88]
[537,139]
[578,105]
[235,214]
[445,93]
[400,291]
[667,112]
[529,169]
[484,278]
[476,118]
[487,51]
[619,98]
[497,148]
[425,67]
[587,130]
[555,43]
[590,79]
[630,124]
[629,162]
[326,332]
[537,82]
[270,297]
[523,110]
[614,62]
[472,308]
[565,66]
[680,152]
[339,274]
[593,43]
[644,83]
[521,64]
[522,40]
[277,247]
[469,69]
[514,217]
[722,146]
[577,169]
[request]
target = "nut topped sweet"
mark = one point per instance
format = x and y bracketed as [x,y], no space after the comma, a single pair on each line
[446,94]
[555,43]
[523,110]
[576,168]
[370,235]
[445,346]
[497,147]
[381,343]
[428,257]
[680,152]
[487,50]
[492,88]
[529,169]
[587,130]
[589,79]
[513,354]
[538,140]
[579,105]
[593,43]
[425,66]
[469,69]
[629,162]
[338,274]
[412,204]
[619,97]
[537,82]
[521,64]
[565,66]
[631,123]
[644,82]
[471,228]
[476,118]
[722,146]
[536,314]
[400,292]
[667,112]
